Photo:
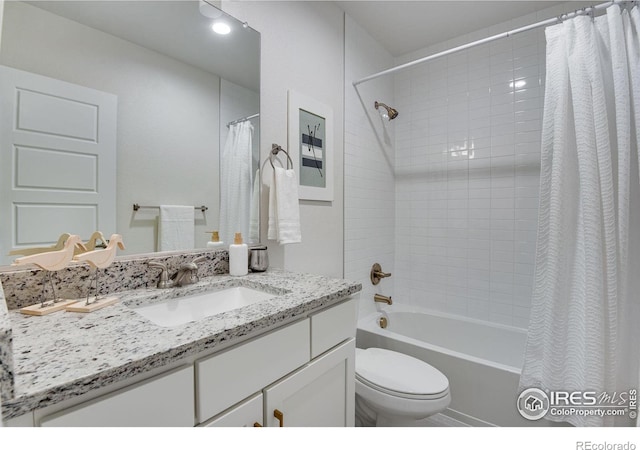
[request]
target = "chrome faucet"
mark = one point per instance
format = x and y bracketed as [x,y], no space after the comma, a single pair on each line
[187,273]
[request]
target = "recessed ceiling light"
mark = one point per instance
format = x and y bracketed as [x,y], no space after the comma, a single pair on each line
[221,28]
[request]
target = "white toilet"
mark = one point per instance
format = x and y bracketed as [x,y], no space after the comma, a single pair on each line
[397,390]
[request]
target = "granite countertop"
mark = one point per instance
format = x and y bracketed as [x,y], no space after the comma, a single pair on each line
[65,354]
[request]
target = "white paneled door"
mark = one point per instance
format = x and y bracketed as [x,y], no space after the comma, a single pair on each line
[57,160]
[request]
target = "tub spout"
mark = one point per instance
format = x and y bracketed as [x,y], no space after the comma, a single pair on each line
[382,299]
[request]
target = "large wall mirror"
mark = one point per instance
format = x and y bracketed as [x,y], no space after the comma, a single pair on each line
[116,103]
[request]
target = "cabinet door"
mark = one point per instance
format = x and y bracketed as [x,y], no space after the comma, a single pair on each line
[321,394]
[246,414]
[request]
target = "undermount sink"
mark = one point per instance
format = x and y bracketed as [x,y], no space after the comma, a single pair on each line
[177,311]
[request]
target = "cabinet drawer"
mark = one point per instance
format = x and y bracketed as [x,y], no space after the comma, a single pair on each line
[232,375]
[332,326]
[246,414]
[163,401]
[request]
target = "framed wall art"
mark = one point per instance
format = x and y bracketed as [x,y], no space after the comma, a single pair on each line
[311,146]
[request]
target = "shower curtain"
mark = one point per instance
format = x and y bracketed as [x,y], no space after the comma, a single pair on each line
[235,182]
[584,312]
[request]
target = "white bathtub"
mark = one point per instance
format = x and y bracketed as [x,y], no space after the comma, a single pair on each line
[482,360]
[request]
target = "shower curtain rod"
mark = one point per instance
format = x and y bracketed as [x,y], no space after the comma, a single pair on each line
[551,21]
[242,119]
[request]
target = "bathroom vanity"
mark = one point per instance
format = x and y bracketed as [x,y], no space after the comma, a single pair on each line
[287,360]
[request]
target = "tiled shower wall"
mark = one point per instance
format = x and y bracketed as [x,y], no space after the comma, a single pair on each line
[369,213]
[459,232]
[467,176]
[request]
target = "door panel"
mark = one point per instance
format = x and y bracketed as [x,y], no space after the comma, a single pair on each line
[57,160]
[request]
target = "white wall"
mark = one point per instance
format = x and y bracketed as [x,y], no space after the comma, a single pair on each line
[168,114]
[369,168]
[302,49]
[1,18]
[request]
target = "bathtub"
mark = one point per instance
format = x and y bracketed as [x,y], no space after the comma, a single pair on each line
[482,360]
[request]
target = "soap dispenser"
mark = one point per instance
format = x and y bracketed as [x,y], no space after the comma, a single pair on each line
[238,257]
[215,241]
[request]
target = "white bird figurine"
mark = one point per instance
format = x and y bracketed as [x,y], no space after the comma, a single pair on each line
[101,259]
[92,243]
[32,251]
[51,260]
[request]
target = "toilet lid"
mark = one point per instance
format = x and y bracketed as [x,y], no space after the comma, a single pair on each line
[397,372]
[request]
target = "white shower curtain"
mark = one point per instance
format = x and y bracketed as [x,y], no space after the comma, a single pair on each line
[584,312]
[235,182]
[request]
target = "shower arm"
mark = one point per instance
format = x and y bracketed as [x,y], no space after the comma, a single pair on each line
[391,112]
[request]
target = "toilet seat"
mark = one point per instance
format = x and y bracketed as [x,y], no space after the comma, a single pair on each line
[403,394]
[400,375]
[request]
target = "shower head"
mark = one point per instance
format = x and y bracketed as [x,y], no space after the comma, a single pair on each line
[391,113]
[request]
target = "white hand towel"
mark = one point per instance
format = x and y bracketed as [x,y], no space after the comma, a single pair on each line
[272,229]
[284,210]
[176,229]
[254,216]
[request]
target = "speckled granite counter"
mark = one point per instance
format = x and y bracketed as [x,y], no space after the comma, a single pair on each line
[68,354]
[6,351]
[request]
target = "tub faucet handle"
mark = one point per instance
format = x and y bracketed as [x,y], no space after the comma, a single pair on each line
[379,298]
[377,274]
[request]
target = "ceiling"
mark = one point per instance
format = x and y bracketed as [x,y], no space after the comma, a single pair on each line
[405,26]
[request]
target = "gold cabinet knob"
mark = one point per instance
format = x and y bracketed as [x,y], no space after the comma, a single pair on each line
[279,415]
[257,425]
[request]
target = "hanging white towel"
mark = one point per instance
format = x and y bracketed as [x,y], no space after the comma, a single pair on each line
[284,211]
[176,228]
[254,217]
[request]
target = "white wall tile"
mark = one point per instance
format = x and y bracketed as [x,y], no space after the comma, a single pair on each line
[480,230]
[455,218]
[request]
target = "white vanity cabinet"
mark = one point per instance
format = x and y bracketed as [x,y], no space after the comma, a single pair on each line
[317,392]
[304,370]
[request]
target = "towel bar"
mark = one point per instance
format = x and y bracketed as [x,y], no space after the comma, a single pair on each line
[137,207]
